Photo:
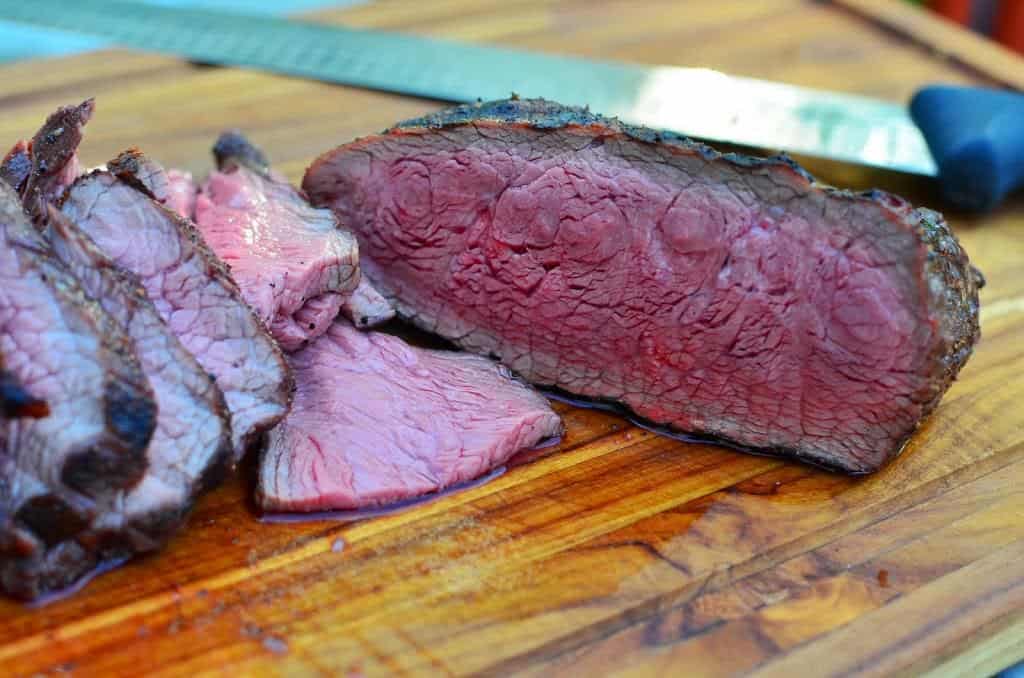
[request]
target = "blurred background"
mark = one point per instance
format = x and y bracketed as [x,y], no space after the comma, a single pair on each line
[1001,20]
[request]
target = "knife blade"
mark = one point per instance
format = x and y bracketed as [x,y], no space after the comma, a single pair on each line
[695,102]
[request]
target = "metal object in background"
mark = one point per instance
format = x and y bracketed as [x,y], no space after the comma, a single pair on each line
[696,102]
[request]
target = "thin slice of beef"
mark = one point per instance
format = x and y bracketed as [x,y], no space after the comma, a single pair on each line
[172,188]
[282,251]
[189,448]
[67,351]
[54,156]
[728,296]
[376,420]
[309,322]
[364,306]
[193,293]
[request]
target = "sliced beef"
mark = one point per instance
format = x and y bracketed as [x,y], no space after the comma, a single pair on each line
[190,445]
[728,296]
[282,252]
[376,421]
[54,157]
[173,189]
[309,322]
[366,307]
[59,470]
[192,292]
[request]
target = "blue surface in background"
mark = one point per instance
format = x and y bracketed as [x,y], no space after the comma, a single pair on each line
[24,42]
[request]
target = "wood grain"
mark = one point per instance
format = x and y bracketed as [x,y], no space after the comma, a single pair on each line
[618,551]
[986,58]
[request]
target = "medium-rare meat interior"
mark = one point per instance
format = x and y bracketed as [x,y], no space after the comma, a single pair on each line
[192,291]
[191,445]
[283,253]
[716,294]
[376,421]
[60,469]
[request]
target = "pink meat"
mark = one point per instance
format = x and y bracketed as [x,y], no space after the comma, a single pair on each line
[282,252]
[376,421]
[366,307]
[181,193]
[309,322]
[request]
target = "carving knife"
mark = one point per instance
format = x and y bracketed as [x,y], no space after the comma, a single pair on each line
[972,140]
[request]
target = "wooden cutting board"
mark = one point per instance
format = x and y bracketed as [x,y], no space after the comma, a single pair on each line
[620,551]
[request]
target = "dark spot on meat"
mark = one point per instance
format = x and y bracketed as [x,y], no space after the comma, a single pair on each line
[51,519]
[883,578]
[130,417]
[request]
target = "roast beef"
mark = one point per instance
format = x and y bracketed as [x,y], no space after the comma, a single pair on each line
[722,295]
[190,444]
[192,291]
[282,252]
[172,188]
[376,421]
[59,470]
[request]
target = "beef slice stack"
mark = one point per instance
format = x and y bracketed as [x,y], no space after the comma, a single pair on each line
[190,287]
[721,295]
[62,469]
[120,334]
[374,420]
[294,265]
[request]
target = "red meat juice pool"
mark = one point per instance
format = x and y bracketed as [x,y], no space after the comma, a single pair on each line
[667,431]
[78,584]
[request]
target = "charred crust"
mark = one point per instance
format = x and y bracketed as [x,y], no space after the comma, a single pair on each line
[51,519]
[117,459]
[952,285]
[130,414]
[52,148]
[16,166]
[233,149]
[127,167]
[15,401]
